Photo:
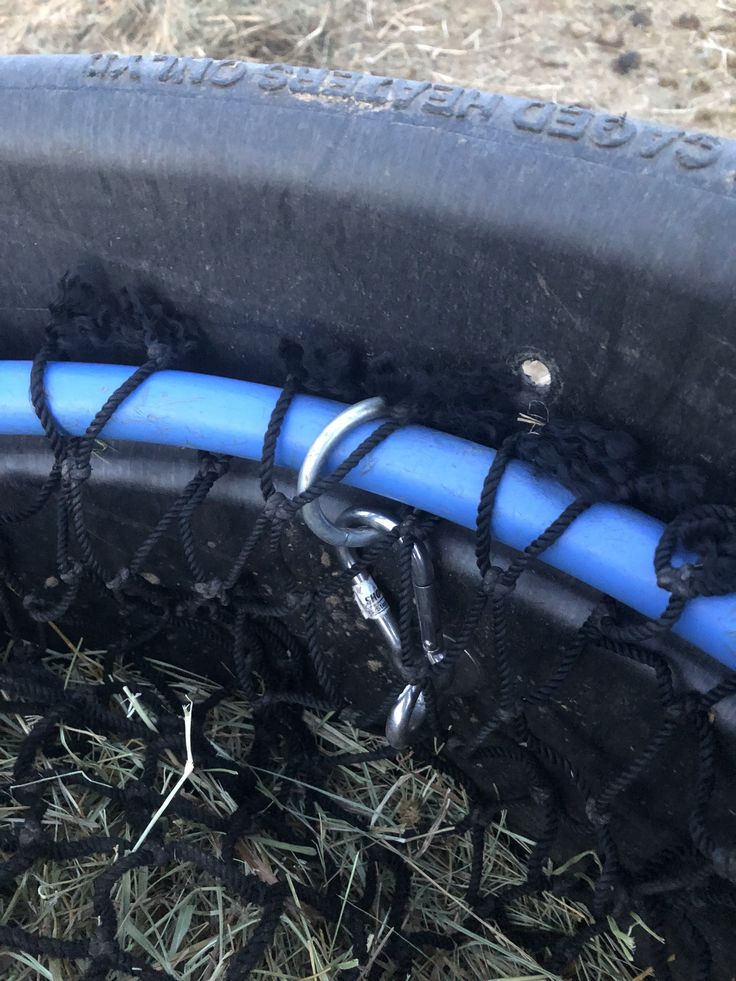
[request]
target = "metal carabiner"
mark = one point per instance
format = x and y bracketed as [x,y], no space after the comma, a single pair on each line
[409,712]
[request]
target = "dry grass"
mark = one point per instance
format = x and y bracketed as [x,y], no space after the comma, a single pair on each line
[562,50]
[190,927]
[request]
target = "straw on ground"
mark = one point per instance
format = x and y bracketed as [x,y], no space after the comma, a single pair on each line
[672,62]
[189,926]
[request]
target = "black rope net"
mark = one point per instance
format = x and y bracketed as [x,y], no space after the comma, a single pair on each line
[284,778]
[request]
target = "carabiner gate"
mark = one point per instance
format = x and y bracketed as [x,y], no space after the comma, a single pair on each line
[409,712]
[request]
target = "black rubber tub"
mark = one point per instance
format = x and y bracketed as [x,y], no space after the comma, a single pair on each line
[442,232]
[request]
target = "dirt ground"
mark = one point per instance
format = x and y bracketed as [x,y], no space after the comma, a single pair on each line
[670,60]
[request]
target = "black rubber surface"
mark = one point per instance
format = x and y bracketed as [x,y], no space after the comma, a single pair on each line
[437,224]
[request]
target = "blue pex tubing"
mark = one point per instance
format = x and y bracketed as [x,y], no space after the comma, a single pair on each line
[610,547]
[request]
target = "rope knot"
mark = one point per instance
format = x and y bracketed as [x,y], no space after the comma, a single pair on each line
[508,716]
[541,794]
[211,589]
[32,603]
[72,574]
[213,464]
[482,814]
[680,580]
[119,581]
[30,833]
[401,413]
[73,472]
[495,582]
[724,863]
[596,815]
[99,947]
[681,708]
[159,352]
[278,507]
[296,601]
[710,532]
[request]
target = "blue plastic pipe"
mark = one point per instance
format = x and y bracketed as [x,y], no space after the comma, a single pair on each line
[611,547]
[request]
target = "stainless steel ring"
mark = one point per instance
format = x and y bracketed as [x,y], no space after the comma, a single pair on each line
[367,411]
[361,518]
